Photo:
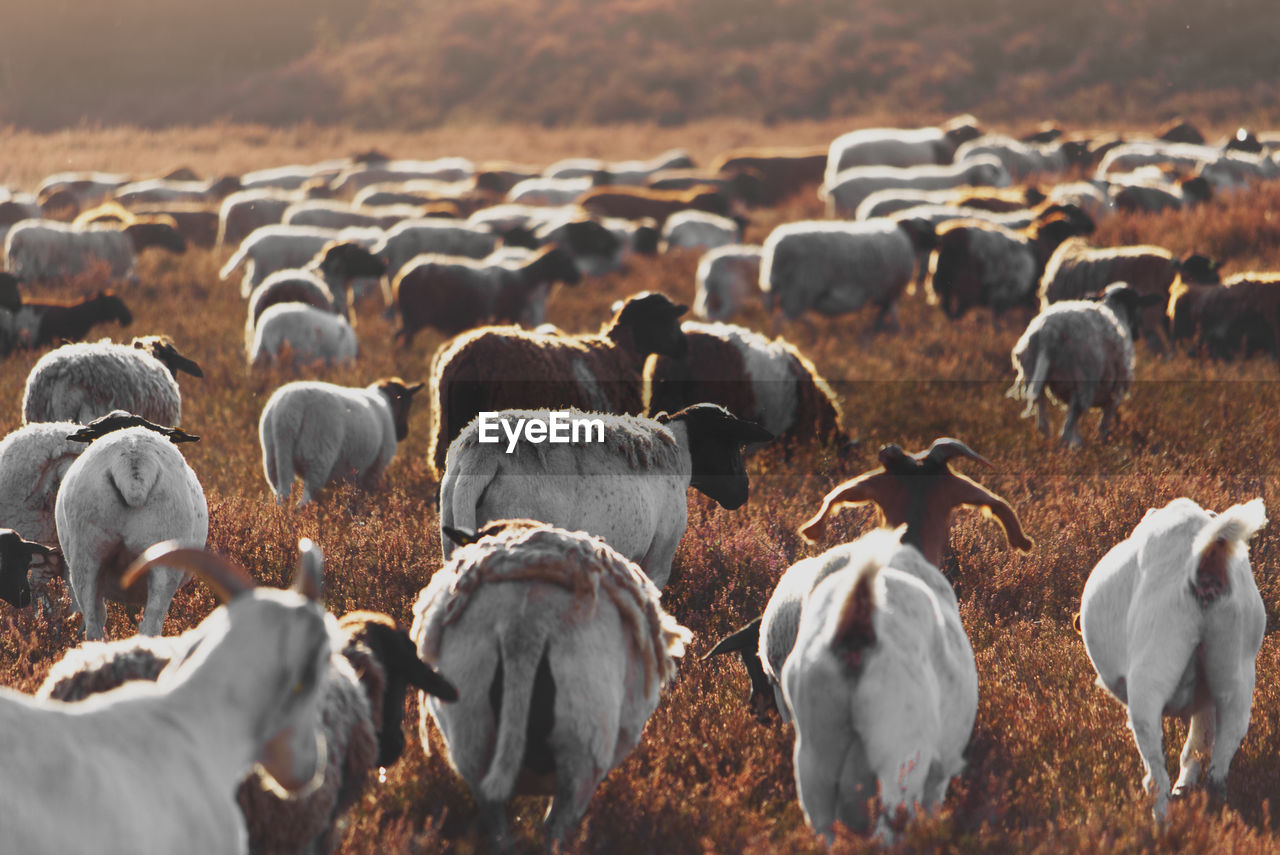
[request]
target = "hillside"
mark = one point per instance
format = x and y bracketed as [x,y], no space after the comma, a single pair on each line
[424,63]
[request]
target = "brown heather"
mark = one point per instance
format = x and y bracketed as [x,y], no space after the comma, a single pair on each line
[1052,767]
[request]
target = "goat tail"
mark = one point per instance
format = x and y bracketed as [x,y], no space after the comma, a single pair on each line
[277,459]
[133,476]
[1030,388]
[1224,537]
[855,627]
[519,654]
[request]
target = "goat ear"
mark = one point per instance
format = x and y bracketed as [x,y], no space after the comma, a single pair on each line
[421,675]
[34,548]
[460,537]
[752,432]
[309,579]
[177,435]
[184,364]
[746,638]
[414,389]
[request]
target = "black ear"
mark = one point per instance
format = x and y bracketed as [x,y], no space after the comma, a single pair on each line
[420,674]
[747,638]
[459,536]
[177,435]
[751,432]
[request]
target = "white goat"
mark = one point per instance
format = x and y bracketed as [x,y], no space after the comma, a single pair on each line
[153,768]
[1173,621]
[838,267]
[549,191]
[581,673]
[285,286]
[899,147]
[1080,352]
[361,175]
[312,335]
[89,188]
[1023,159]
[882,685]
[411,238]
[281,247]
[245,211]
[699,230]
[327,433]
[633,492]
[726,279]
[46,249]
[153,190]
[33,461]
[130,489]
[82,382]
[372,661]
[846,190]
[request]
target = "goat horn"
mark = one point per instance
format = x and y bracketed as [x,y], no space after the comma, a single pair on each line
[224,578]
[945,448]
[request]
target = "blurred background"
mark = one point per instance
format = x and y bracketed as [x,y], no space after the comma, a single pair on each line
[413,64]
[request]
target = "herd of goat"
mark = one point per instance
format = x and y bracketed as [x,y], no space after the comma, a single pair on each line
[541,647]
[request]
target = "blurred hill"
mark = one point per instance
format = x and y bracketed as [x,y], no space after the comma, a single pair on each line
[421,63]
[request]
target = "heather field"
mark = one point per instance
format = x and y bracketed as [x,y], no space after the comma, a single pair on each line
[1052,767]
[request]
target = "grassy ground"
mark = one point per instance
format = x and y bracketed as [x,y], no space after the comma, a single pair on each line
[1052,766]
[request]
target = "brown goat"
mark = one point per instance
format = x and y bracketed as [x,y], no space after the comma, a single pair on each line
[500,368]
[718,369]
[743,185]
[976,263]
[1240,315]
[1077,270]
[635,203]
[43,323]
[998,200]
[783,172]
[921,491]
[456,294]
[197,223]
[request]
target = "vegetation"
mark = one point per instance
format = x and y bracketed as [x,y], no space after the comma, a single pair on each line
[1051,766]
[423,63]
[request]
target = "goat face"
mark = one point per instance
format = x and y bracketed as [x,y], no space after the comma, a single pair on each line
[162,235]
[349,260]
[401,397]
[390,645]
[716,437]
[15,558]
[654,322]
[293,755]
[162,349]
[556,265]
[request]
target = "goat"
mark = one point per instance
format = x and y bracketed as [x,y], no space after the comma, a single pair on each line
[1172,620]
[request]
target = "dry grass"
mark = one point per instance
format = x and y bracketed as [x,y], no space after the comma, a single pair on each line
[1052,767]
